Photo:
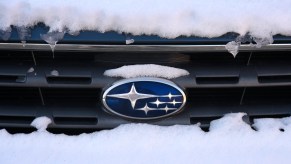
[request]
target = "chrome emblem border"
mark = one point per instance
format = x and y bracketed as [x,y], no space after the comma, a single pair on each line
[137,96]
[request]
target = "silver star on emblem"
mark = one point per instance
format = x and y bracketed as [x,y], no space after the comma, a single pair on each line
[146,109]
[167,109]
[174,102]
[170,96]
[132,96]
[157,102]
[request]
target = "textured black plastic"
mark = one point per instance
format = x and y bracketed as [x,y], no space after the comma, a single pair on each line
[68,88]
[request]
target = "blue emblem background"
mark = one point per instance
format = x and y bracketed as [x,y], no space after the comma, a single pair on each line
[124,107]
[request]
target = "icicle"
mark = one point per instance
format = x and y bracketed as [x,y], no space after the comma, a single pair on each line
[53,49]
[233,47]
[23,33]
[5,34]
[52,39]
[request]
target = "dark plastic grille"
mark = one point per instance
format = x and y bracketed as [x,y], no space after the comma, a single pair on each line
[71,97]
[257,83]
[19,96]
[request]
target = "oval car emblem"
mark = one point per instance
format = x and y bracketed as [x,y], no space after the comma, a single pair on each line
[144,98]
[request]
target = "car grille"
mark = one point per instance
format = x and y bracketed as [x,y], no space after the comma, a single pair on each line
[68,87]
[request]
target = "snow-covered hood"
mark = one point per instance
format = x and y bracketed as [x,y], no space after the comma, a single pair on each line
[169,19]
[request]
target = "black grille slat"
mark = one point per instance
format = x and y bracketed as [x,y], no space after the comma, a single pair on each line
[71,96]
[270,95]
[275,79]
[204,121]
[68,80]
[16,119]
[12,78]
[217,80]
[19,96]
[76,120]
[215,95]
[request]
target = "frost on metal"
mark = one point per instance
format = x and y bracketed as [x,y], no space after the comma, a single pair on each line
[146,70]
[41,123]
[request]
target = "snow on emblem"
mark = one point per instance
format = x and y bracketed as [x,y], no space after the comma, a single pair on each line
[144,98]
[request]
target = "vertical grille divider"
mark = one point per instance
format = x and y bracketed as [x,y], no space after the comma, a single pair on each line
[244,91]
[41,96]
[39,89]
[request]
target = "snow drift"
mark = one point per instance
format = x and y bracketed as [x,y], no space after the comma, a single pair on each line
[230,140]
[146,70]
[166,18]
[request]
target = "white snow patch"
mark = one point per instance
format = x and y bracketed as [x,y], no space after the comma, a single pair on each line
[166,18]
[55,73]
[146,70]
[237,124]
[30,70]
[229,140]
[129,41]
[41,123]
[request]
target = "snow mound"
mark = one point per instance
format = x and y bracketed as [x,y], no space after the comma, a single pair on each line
[146,70]
[229,140]
[166,18]
[237,124]
[41,123]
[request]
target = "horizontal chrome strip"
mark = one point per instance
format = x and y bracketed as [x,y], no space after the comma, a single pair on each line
[142,48]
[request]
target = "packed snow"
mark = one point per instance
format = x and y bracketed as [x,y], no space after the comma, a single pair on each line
[230,140]
[259,19]
[166,18]
[146,70]
[41,123]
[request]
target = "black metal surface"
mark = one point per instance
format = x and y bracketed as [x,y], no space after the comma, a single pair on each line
[257,83]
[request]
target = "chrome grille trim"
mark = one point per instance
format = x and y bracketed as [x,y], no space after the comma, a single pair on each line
[140,48]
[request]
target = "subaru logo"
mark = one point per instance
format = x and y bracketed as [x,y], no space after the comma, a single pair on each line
[144,98]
